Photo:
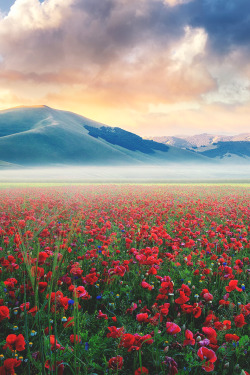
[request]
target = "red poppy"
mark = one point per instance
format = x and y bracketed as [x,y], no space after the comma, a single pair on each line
[239,321]
[209,356]
[231,337]
[9,365]
[33,311]
[116,363]
[70,322]
[59,365]
[189,338]
[172,328]
[232,286]
[101,315]
[75,339]
[182,299]
[141,370]
[4,313]
[54,343]
[37,272]
[142,317]
[127,340]
[115,332]
[14,342]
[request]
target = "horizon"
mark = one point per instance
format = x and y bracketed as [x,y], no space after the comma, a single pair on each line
[151,67]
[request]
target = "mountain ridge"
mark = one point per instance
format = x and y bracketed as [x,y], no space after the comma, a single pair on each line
[40,135]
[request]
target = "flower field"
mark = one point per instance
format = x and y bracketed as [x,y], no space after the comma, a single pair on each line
[125,279]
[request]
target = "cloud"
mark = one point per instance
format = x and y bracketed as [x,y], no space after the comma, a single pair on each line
[124,56]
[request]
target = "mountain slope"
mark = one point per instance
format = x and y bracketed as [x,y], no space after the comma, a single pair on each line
[200,140]
[229,149]
[234,148]
[41,135]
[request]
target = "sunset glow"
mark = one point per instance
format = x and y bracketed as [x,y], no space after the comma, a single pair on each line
[153,67]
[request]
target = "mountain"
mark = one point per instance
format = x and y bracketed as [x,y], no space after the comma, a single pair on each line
[40,135]
[229,149]
[199,140]
[236,147]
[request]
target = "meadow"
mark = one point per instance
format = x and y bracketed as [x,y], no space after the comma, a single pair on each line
[124,279]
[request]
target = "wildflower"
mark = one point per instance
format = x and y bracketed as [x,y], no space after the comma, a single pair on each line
[141,370]
[209,356]
[189,338]
[172,328]
[239,321]
[59,365]
[4,313]
[231,337]
[142,317]
[232,286]
[172,365]
[116,363]
[127,340]
[115,332]
[101,315]
[75,339]
[9,365]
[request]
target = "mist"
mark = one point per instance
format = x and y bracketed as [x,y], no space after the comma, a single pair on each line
[146,173]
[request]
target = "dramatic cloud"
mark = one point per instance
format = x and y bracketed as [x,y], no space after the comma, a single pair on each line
[129,62]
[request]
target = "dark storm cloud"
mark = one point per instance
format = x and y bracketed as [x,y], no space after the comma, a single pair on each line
[227,22]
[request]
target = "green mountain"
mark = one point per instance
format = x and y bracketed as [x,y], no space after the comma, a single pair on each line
[32,136]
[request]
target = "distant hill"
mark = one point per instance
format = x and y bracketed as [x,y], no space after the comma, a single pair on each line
[229,149]
[212,146]
[31,136]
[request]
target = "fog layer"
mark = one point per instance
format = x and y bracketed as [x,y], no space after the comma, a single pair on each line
[145,173]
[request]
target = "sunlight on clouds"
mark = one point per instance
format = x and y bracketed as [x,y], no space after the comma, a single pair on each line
[176,2]
[123,63]
[175,107]
[192,45]
[31,14]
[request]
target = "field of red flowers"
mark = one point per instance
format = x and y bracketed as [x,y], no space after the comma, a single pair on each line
[125,279]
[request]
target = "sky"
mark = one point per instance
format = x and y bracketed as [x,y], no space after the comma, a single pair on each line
[153,67]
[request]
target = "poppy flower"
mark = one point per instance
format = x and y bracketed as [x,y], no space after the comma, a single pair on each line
[141,370]
[33,311]
[172,365]
[182,299]
[127,340]
[9,365]
[115,332]
[54,343]
[37,272]
[24,306]
[231,337]
[75,339]
[142,317]
[59,365]
[70,322]
[232,286]
[189,338]
[4,313]
[209,356]
[239,321]
[116,363]
[14,342]
[101,315]
[210,333]
[172,328]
